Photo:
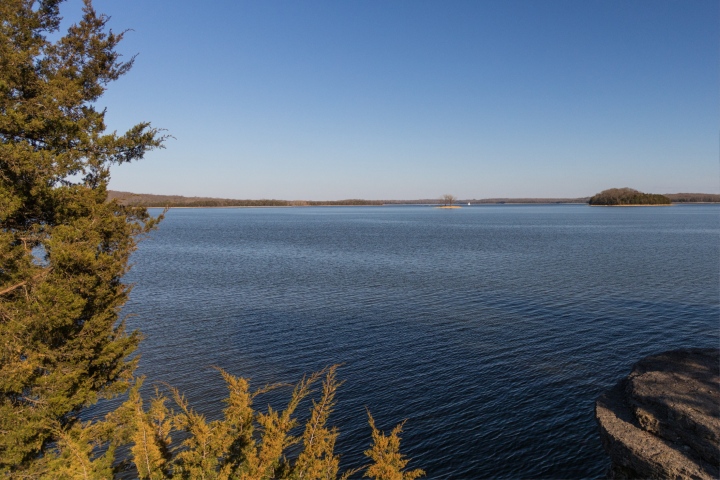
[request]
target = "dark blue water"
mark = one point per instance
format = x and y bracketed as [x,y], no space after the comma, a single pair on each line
[492,329]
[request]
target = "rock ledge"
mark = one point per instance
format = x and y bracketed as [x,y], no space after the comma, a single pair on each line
[663,420]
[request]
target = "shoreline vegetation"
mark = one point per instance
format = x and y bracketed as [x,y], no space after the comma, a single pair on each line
[178,201]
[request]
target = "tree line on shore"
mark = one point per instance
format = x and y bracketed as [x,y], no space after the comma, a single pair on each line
[152,201]
[161,201]
[693,197]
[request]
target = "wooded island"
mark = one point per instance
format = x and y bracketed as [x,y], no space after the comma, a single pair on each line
[616,197]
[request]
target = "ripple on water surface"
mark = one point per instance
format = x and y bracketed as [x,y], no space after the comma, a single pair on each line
[491,329]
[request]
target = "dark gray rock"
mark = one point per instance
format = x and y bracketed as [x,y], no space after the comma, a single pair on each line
[663,420]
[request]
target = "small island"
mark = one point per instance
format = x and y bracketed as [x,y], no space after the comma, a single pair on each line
[628,197]
[448,201]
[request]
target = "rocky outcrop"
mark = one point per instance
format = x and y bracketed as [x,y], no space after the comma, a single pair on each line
[663,420]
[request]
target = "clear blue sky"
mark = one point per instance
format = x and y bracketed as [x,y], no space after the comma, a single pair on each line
[413,99]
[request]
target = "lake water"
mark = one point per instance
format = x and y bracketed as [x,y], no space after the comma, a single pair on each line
[491,329]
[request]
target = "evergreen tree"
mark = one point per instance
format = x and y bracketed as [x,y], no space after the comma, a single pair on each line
[246,444]
[63,247]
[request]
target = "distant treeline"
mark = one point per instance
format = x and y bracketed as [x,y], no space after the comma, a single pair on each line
[148,200]
[529,200]
[693,197]
[628,196]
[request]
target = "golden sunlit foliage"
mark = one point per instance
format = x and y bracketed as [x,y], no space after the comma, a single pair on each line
[388,462]
[245,444]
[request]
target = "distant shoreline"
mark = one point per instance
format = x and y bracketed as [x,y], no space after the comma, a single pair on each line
[640,205]
[421,205]
[257,206]
[178,201]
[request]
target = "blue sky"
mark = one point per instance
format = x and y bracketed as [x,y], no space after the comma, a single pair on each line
[413,99]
